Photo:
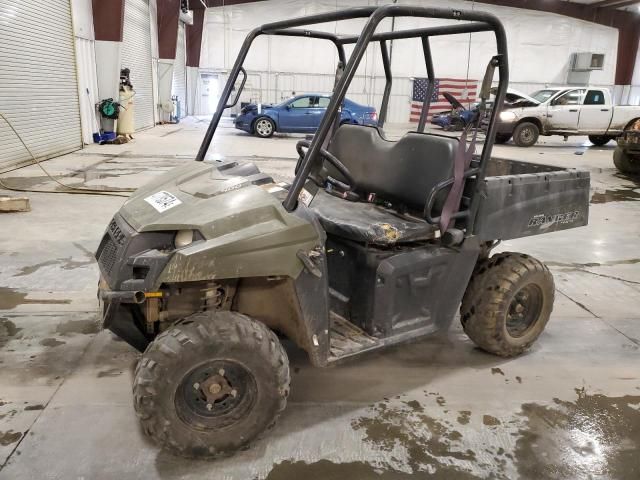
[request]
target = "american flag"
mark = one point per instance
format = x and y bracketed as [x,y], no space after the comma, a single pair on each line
[462,89]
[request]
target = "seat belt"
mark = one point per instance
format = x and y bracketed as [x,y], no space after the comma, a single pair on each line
[461,162]
[463,156]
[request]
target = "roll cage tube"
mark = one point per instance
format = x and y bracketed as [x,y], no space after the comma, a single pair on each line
[478,22]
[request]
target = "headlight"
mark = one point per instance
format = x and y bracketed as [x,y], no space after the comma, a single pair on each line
[183,238]
[507,116]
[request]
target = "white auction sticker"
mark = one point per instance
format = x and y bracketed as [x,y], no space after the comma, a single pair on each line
[305,197]
[162,201]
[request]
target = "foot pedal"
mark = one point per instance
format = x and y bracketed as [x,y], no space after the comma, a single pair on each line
[346,339]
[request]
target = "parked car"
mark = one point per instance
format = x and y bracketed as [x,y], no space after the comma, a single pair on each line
[455,119]
[566,111]
[300,114]
[459,116]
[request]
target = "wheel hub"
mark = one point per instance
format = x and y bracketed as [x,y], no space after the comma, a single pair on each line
[524,310]
[215,389]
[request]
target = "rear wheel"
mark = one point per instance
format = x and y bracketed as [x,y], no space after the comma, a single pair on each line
[526,134]
[502,138]
[211,384]
[625,162]
[600,140]
[264,127]
[507,303]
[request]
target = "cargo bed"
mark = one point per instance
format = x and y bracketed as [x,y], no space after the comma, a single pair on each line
[519,199]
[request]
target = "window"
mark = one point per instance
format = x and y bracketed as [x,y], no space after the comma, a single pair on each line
[594,97]
[323,102]
[543,95]
[303,102]
[574,97]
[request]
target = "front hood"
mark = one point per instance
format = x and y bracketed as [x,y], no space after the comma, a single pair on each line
[453,101]
[517,98]
[198,196]
[254,107]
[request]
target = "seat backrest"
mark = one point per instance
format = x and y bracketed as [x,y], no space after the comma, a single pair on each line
[405,170]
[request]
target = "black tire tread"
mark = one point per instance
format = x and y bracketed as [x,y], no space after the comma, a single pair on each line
[622,161]
[202,327]
[487,299]
[516,134]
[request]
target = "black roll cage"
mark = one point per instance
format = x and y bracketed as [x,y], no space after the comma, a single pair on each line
[477,22]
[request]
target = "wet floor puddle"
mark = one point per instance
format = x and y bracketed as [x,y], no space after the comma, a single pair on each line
[9,437]
[10,298]
[622,194]
[594,436]
[8,330]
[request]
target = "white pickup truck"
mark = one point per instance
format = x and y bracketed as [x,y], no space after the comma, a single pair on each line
[565,111]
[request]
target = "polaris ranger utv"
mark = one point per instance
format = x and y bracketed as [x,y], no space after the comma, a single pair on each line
[375,242]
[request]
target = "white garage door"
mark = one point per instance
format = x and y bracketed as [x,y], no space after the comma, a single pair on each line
[136,56]
[179,85]
[38,85]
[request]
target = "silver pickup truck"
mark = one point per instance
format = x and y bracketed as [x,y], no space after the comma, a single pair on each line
[565,111]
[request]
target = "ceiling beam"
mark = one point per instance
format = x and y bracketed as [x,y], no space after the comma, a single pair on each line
[605,3]
[626,3]
[197,4]
[168,17]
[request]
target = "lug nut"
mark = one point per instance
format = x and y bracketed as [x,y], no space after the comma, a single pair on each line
[209,406]
[196,385]
[234,393]
[221,372]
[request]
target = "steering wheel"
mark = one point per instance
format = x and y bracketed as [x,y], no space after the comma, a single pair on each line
[344,171]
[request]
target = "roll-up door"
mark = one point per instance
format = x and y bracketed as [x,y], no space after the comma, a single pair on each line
[179,85]
[136,56]
[38,84]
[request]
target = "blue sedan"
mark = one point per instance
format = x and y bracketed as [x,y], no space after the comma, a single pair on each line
[300,114]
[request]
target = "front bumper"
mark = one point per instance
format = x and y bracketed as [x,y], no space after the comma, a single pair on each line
[502,128]
[243,123]
[124,319]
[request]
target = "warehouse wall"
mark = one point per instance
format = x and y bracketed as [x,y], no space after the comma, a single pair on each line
[540,46]
[85,66]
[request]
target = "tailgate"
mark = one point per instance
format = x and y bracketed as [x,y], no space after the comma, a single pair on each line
[524,204]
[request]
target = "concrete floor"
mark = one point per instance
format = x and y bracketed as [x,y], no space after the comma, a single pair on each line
[437,408]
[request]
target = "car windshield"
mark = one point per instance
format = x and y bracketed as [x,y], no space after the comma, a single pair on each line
[543,95]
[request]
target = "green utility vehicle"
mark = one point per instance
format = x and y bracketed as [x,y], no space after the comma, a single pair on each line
[210,267]
[626,156]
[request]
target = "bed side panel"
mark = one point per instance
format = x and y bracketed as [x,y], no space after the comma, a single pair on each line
[515,206]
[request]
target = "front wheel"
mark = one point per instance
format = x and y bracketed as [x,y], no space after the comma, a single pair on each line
[211,384]
[507,303]
[625,162]
[526,134]
[264,127]
[600,140]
